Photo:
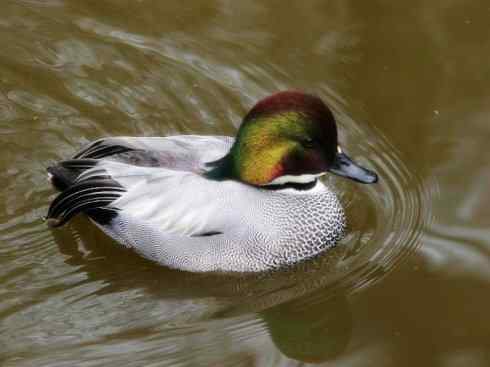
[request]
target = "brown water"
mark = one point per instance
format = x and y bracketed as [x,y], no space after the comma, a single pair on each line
[409,83]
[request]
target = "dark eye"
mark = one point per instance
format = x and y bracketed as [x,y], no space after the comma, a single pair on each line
[308,143]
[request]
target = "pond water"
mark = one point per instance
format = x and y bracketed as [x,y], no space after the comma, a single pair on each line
[409,85]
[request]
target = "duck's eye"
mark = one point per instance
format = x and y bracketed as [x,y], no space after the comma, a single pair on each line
[308,143]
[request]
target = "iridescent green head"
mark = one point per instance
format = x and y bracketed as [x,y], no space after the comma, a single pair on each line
[289,137]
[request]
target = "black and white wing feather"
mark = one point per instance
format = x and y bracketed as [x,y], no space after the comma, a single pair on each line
[91,181]
[185,153]
[91,195]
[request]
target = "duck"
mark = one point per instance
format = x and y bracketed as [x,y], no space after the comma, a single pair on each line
[199,203]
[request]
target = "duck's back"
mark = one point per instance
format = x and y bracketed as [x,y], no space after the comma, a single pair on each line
[180,152]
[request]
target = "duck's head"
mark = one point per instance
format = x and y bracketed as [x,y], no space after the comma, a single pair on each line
[290,137]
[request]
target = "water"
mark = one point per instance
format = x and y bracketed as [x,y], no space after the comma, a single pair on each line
[409,87]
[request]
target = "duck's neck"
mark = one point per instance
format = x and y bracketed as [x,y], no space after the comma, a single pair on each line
[224,169]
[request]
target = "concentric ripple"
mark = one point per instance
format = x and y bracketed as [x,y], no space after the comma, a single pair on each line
[398,213]
[72,72]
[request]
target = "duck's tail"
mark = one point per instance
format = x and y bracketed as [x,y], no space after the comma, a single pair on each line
[60,177]
[90,195]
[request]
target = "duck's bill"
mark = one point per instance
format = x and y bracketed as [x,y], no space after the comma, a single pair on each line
[345,167]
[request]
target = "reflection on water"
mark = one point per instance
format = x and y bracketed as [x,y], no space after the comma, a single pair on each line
[408,84]
[315,336]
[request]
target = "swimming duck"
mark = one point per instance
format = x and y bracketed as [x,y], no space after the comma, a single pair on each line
[214,203]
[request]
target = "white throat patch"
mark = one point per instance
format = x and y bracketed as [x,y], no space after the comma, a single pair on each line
[301,179]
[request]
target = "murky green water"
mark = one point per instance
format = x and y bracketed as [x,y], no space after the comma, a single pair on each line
[409,83]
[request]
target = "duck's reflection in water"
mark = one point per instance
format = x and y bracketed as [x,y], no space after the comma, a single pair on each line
[311,329]
[304,320]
